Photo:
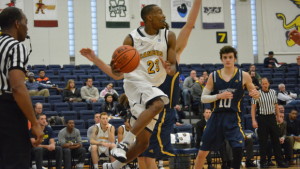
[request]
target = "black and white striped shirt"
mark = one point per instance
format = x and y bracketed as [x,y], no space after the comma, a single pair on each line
[13,55]
[266,102]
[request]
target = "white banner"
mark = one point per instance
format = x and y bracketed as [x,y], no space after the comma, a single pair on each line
[45,13]
[9,3]
[212,14]
[180,10]
[279,17]
[117,14]
[148,2]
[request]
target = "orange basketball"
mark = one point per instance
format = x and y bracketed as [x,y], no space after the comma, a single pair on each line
[126,58]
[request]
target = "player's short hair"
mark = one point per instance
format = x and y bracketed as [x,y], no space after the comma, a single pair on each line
[146,10]
[228,49]
[103,114]
[40,115]
[9,16]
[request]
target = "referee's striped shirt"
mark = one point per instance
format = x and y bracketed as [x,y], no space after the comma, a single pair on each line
[266,102]
[13,55]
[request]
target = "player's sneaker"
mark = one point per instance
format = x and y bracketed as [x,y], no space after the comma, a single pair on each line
[107,166]
[119,152]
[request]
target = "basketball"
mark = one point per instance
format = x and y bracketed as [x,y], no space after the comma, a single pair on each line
[126,58]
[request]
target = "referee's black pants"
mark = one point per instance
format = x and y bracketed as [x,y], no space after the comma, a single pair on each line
[267,126]
[14,143]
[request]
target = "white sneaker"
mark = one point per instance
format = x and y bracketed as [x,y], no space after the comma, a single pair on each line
[119,152]
[107,166]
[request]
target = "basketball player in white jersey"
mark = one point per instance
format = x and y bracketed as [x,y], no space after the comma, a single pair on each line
[156,46]
[145,161]
[124,129]
[103,132]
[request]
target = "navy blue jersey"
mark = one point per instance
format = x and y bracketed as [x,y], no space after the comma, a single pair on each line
[171,88]
[235,85]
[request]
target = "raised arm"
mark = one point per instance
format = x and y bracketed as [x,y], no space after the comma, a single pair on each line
[185,32]
[170,64]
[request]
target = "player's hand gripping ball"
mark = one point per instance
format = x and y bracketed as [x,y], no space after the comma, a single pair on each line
[125,59]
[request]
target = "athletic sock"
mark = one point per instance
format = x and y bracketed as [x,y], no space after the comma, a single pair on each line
[117,164]
[96,166]
[129,138]
[237,153]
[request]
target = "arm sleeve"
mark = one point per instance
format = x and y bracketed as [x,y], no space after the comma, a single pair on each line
[206,97]
[283,97]
[18,59]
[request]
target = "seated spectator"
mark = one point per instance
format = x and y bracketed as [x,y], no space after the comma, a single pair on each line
[123,108]
[125,128]
[285,142]
[90,129]
[47,147]
[70,140]
[109,89]
[205,75]
[187,85]
[89,93]
[252,68]
[109,105]
[38,108]
[254,80]
[286,97]
[35,88]
[101,132]
[200,126]
[270,61]
[293,126]
[71,93]
[42,78]
[196,92]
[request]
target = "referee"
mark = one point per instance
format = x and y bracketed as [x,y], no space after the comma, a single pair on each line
[15,103]
[266,123]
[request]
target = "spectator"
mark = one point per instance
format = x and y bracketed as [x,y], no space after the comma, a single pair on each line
[89,93]
[200,126]
[125,128]
[252,68]
[196,91]
[71,93]
[38,108]
[205,75]
[109,105]
[293,126]
[286,97]
[109,89]
[123,108]
[34,87]
[47,147]
[270,61]
[70,140]
[281,109]
[285,142]
[90,129]
[187,85]
[254,80]
[42,78]
[101,132]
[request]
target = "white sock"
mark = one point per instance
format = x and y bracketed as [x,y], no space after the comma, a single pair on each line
[96,166]
[117,164]
[129,138]
[80,165]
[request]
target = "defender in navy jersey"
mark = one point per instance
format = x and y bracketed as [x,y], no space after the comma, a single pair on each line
[225,89]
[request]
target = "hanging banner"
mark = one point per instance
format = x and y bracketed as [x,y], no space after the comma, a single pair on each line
[10,3]
[45,13]
[212,14]
[279,17]
[148,2]
[117,14]
[180,10]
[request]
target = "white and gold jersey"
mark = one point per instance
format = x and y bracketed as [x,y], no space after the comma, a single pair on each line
[150,48]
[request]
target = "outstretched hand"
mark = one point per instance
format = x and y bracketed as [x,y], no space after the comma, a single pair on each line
[88,53]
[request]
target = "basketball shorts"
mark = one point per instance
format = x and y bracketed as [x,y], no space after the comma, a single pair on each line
[101,150]
[160,141]
[139,94]
[221,126]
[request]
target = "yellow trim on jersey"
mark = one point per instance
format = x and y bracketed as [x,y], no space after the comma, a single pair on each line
[239,124]
[172,88]
[219,73]
[239,106]
[158,135]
